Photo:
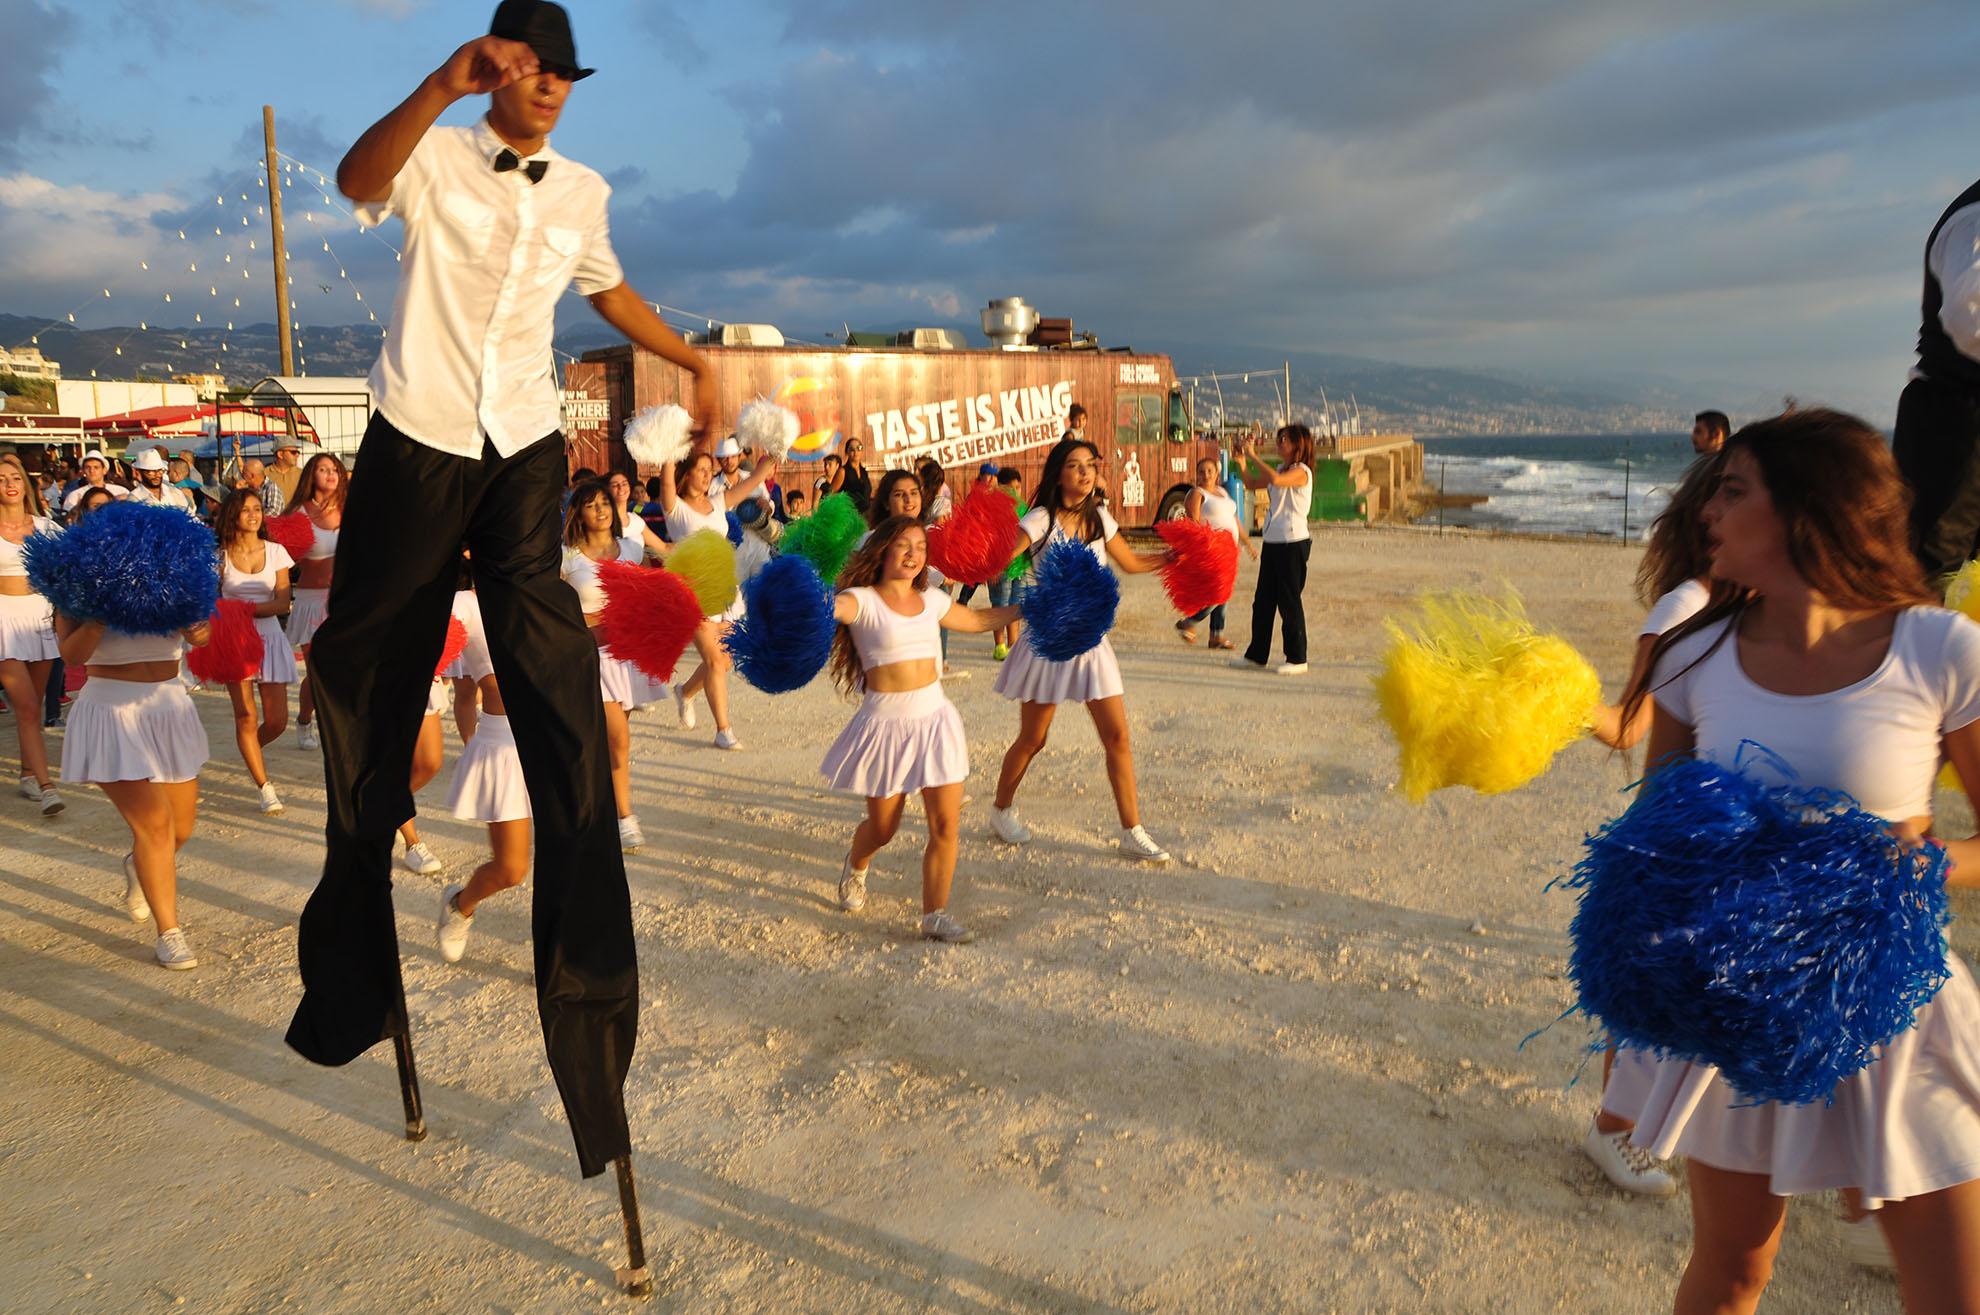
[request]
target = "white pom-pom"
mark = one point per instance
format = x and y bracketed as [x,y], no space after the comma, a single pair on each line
[768,428]
[658,436]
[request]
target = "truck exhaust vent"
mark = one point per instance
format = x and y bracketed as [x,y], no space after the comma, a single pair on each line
[1008,323]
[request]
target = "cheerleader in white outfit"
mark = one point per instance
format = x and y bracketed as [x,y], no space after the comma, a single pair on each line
[320,489]
[430,745]
[488,787]
[906,734]
[467,610]
[133,730]
[256,570]
[685,497]
[1067,507]
[27,631]
[594,533]
[1834,656]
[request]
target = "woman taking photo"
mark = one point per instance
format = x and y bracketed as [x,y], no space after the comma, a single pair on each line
[906,735]
[1067,508]
[320,489]
[690,507]
[1282,565]
[27,631]
[1832,654]
[254,570]
[594,533]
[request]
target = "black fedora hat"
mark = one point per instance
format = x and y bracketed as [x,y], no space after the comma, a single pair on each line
[544,28]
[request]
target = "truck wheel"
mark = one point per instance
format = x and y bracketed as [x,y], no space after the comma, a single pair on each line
[1171,506]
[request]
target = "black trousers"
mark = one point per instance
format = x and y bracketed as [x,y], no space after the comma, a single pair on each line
[1937,445]
[409,511]
[1281,580]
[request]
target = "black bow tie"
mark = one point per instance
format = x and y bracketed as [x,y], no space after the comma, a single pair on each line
[508,159]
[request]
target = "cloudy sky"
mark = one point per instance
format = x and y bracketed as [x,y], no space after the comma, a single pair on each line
[1728,192]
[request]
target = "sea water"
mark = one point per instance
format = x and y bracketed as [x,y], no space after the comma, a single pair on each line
[1597,484]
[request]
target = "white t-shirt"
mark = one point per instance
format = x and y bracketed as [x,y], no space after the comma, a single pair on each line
[260,586]
[1286,509]
[581,572]
[1676,607]
[1876,740]
[1040,526]
[1220,510]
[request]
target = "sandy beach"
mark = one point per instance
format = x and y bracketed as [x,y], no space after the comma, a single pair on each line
[1282,1074]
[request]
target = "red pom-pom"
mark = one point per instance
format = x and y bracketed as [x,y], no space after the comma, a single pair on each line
[1202,567]
[456,645]
[976,543]
[294,531]
[232,651]
[649,616]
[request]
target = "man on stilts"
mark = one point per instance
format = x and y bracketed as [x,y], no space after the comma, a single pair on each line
[465,448]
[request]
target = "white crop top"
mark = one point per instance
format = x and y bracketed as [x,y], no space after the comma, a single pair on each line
[684,520]
[1876,740]
[260,586]
[1286,510]
[12,561]
[1040,526]
[881,635]
[118,647]
[581,572]
[1676,607]
[1219,509]
[325,545]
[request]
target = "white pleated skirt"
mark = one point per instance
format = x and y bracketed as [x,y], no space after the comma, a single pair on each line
[27,628]
[438,695]
[278,660]
[620,682]
[133,730]
[1028,678]
[307,608]
[897,743]
[1907,1124]
[488,780]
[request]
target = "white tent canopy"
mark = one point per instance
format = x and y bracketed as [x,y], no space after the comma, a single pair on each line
[336,409]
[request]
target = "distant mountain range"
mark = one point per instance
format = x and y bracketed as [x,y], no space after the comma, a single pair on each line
[1389,397]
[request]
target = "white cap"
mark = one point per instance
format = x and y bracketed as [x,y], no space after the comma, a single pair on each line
[94,454]
[728,447]
[149,459]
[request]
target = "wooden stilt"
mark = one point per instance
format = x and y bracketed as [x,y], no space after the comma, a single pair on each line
[409,1087]
[635,1277]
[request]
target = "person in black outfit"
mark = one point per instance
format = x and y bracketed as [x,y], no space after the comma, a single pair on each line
[1937,439]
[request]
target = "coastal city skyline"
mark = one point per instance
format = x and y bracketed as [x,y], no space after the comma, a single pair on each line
[1731,197]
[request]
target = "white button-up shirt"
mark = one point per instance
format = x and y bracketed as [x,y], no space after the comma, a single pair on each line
[486,257]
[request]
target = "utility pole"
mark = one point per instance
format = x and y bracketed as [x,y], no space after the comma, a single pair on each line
[281,251]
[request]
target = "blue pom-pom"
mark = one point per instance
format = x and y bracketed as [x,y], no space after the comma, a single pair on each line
[784,636]
[136,567]
[735,528]
[1780,934]
[1069,603]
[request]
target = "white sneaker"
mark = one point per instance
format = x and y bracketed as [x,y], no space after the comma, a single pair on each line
[1291,668]
[1135,843]
[271,803]
[30,789]
[1629,1167]
[1865,1244]
[135,903]
[630,836]
[453,927]
[306,735]
[418,858]
[1240,660]
[726,739]
[174,953]
[685,706]
[1004,821]
[51,803]
[953,673]
[852,887]
[939,926]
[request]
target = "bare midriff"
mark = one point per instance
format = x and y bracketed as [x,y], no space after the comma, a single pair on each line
[315,572]
[901,677]
[137,672]
[15,586]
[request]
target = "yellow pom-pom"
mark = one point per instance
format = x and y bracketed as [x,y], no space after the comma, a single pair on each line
[708,562]
[1478,697]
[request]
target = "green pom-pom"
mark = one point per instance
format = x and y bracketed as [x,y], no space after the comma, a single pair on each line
[826,537]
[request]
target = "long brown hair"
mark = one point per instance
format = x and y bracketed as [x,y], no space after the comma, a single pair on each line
[876,511]
[581,496]
[1050,498]
[226,521]
[1301,439]
[1678,549]
[864,568]
[306,482]
[1844,511]
[31,492]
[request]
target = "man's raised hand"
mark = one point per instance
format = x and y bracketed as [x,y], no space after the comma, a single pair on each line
[485,64]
